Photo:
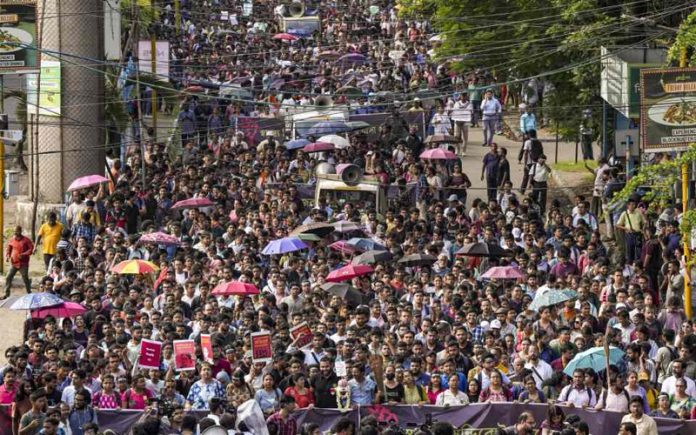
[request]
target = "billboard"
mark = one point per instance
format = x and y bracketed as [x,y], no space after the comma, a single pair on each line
[17,35]
[668,109]
[161,60]
[50,98]
[301,26]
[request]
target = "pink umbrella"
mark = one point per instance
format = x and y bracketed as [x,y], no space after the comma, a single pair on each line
[160,238]
[318,147]
[285,37]
[87,181]
[343,247]
[346,273]
[235,288]
[438,154]
[66,309]
[193,203]
[502,272]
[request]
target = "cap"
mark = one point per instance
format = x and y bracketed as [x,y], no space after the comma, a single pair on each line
[643,376]
[453,197]
[522,106]
[501,310]
[495,324]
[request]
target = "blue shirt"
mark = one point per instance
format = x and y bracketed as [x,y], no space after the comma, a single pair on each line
[268,400]
[362,393]
[200,394]
[490,108]
[462,385]
[527,122]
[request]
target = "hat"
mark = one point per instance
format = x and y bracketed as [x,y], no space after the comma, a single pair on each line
[643,376]
[456,95]
[495,324]
[522,106]
[75,292]
[453,197]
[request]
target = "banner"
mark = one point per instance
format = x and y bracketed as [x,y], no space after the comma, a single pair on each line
[161,59]
[668,109]
[254,127]
[301,26]
[302,335]
[184,355]
[207,347]
[18,36]
[261,347]
[376,120]
[150,354]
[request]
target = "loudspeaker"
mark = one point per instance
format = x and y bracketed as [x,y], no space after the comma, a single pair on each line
[350,174]
[296,9]
[323,101]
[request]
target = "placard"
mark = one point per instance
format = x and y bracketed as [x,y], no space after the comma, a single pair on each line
[184,355]
[150,354]
[161,61]
[261,347]
[207,347]
[341,370]
[304,333]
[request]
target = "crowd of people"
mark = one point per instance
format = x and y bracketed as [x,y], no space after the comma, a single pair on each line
[426,332]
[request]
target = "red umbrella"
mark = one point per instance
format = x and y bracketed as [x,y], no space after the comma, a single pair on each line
[318,147]
[285,37]
[160,238]
[194,203]
[235,288]
[343,247]
[438,154]
[66,309]
[346,273]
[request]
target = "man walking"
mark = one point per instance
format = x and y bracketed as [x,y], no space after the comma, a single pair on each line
[18,253]
[540,173]
[491,109]
[50,233]
[490,171]
[462,113]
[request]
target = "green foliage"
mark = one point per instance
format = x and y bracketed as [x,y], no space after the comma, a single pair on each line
[685,39]
[141,11]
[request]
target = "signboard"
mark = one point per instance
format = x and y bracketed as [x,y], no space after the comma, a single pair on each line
[50,98]
[12,136]
[261,347]
[112,30]
[150,353]
[207,348]
[668,109]
[161,59]
[17,35]
[302,26]
[184,355]
[302,335]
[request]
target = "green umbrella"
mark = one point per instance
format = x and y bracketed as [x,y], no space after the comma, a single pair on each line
[552,297]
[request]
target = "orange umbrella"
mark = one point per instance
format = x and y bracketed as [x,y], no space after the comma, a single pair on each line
[135,267]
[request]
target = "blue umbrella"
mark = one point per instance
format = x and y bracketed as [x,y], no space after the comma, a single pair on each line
[594,359]
[297,143]
[283,246]
[34,301]
[552,297]
[334,127]
[366,244]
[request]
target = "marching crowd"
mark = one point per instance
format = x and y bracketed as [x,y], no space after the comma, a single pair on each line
[428,326]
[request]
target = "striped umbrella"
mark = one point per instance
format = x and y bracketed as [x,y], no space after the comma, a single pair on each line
[135,267]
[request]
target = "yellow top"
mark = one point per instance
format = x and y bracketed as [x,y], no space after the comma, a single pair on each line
[50,236]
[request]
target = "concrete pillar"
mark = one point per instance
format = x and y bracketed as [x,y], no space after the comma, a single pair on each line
[72,145]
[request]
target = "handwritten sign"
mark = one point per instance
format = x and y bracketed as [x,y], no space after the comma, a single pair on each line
[150,354]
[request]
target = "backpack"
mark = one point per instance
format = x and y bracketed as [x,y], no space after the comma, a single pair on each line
[568,391]
[625,393]
[536,150]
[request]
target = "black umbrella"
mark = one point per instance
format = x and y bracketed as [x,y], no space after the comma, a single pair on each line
[347,292]
[417,260]
[321,229]
[372,257]
[484,250]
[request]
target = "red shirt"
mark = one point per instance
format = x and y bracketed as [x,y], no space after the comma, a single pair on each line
[19,251]
[7,396]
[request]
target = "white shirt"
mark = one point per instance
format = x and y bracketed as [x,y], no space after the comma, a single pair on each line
[668,386]
[580,398]
[461,111]
[540,172]
[68,395]
[448,398]
[542,371]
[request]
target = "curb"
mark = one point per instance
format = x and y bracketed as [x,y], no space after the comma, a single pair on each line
[565,188]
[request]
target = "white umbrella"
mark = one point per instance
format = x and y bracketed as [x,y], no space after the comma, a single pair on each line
[338,141]
[437,38]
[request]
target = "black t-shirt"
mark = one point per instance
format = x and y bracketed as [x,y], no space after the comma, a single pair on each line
[395,394]
[325,390]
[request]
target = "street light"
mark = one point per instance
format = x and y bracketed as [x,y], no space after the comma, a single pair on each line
[586,134]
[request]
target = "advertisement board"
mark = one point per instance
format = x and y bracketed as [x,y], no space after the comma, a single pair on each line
[161,61]
[50,98]
[17,36]
[301,26]
[668,109]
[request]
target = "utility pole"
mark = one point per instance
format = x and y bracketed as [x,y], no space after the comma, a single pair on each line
[136,31]
[177,16]
[153,95]
[4,125]
[685,207]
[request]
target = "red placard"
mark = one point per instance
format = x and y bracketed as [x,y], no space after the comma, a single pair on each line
[261,347]
[150,354]
[302,334]
[207,347]
[184,355]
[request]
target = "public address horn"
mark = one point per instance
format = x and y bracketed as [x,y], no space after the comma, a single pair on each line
[350,174]
[323,101]
[296,9]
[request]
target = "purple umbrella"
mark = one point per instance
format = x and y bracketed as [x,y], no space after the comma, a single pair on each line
[352,58]
[283,246]
[160,238]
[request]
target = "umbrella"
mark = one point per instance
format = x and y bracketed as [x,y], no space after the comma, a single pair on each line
[343,247]
[348,272]
[436,38]
[346,226]
[135,267]
[483,250]
[345,291]
[283,246]
[235,91]
[371,257]
[285,37]
[502,272]
[235,288]
[441,138]
[329,54]
[87,181]
[338,141]
[297,143]
[66,309]
[320,229]
[34,301]
[308,237]
[417,260]
[160,238]
[334,127]
[193,203]
[318,147]
[366,244]
[352,59]
[350,92]
[438,154]
[550,298]
[594,358]
[194,89]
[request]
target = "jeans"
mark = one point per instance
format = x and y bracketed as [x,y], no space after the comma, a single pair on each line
[492,186]
[488,130]
[539,194]
[24,271]
[634,243]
